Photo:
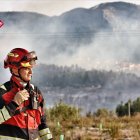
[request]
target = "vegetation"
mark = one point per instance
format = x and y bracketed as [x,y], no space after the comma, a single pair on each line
[74,76]
[63,112]
[103,124]
[131,106]
[63,117]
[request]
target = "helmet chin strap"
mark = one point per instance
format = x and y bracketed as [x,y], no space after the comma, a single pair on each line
[14,74]
[19,75]
[22,77]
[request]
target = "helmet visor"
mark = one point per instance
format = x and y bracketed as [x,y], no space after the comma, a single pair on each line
[29,59]
[30,56]
[28,64]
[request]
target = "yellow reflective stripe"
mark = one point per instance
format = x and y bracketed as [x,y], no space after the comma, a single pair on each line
[37,139]
[5,113]
[26,64]
[44,131]
[3,87]
[13,55]
[1,118]
[9,138]
[46,137]
[45,134]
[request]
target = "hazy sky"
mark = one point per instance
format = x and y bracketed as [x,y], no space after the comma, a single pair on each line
[51,7]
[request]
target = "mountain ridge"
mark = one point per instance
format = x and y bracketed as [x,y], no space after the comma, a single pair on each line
[66,37]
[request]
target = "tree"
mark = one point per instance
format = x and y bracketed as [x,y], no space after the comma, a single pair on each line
[128,108]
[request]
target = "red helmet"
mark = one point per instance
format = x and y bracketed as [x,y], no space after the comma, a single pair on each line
[20,57]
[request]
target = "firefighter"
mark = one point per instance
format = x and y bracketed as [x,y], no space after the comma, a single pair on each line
[22,114]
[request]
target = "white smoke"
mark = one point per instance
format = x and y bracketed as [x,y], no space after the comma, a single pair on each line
[103,52]
[107,48]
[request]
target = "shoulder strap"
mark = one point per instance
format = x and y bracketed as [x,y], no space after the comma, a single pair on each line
[33,87]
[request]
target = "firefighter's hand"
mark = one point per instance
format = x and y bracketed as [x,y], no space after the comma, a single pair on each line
[21,96]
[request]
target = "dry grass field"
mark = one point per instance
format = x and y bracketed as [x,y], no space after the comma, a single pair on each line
[66,120]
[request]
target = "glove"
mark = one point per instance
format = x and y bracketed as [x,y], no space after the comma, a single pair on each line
[21,96]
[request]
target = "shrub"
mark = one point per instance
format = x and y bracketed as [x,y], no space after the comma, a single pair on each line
[63,112]
[102,112]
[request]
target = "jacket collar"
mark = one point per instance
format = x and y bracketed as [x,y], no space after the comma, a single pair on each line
[18,83]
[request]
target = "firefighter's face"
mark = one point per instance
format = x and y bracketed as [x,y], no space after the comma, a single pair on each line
[26,74]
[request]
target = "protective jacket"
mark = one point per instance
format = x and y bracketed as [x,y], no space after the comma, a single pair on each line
[22,122]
